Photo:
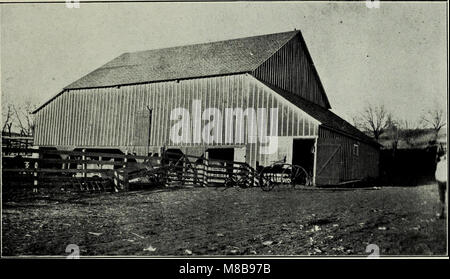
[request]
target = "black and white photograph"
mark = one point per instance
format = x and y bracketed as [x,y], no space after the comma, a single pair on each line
[255,129]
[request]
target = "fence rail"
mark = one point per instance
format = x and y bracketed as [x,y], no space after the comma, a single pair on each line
[86,170]
[17,141]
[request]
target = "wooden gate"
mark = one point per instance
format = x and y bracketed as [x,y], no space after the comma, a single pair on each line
[329,163]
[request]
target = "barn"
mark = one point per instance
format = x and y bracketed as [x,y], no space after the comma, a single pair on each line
[148,101]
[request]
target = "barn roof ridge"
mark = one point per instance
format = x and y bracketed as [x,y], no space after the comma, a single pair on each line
[186,61]
[240,59]
[294,32]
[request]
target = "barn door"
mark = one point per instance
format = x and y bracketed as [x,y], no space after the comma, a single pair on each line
[141,128]
[239,154]
[328,166]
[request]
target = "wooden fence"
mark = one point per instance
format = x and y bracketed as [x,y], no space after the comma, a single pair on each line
[24,142]
[37,168]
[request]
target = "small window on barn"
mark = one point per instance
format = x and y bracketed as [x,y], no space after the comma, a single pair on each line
[356,150]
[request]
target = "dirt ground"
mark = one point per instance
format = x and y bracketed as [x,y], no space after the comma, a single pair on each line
[214,221]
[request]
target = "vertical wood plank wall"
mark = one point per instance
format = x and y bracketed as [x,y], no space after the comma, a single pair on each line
[117,117]
[353,167]
[297,74]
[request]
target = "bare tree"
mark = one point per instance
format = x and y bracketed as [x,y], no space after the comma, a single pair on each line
[434,119]
[24,119]
[7,118]
[373,120]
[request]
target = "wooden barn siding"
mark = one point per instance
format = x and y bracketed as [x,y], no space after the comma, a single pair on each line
[118,117]
[354,167]
[289,69]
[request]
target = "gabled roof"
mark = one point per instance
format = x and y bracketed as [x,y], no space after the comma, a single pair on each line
[235,56]
[207,59]
[325,116]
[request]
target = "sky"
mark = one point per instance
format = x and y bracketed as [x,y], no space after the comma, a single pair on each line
[395,55]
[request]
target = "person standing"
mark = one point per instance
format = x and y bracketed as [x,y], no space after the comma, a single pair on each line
[441,178]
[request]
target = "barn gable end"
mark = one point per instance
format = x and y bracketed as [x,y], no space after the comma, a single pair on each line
[291,68]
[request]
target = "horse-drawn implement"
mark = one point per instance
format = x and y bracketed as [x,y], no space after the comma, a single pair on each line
[280,173]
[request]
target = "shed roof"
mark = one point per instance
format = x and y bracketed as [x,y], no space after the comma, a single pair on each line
[190,61]
[325,116]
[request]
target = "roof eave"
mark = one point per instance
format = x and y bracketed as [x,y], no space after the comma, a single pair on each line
[131,84]
[368,140]
[47,102]
[361,138]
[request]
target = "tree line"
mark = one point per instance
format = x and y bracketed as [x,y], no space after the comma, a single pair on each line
[376,120]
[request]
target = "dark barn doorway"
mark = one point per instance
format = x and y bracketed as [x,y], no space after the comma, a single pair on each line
[303,154]
[226,154]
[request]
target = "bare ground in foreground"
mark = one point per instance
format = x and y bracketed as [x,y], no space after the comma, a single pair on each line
[214,221]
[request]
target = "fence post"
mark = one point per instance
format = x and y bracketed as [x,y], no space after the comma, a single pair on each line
[116,181]
[253,177]
[125,159]
[84,164]
[206,168]
[125,172]
[35,181]
[183,174]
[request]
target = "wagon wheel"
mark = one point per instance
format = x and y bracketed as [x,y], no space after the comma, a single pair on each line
[160,177]
[244,180]
[287,174]
[265,183]
[300,176]
[230,181]
[267,179]
[240,179]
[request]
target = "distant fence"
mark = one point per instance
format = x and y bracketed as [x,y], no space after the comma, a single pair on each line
[17,142]
[406,167]
[37,168]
